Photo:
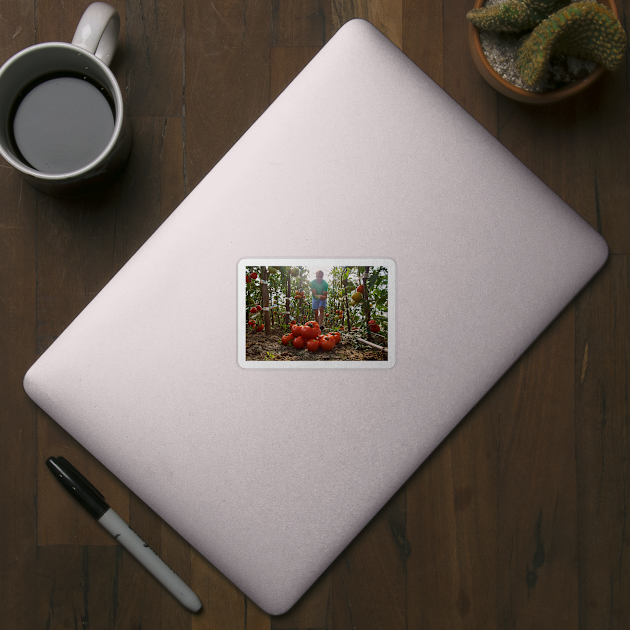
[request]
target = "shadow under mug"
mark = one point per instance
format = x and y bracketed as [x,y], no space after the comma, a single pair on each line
[87,57]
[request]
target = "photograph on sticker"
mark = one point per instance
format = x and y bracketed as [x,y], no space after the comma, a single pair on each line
[315,311]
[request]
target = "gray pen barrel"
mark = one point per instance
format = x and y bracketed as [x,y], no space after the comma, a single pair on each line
[149,559]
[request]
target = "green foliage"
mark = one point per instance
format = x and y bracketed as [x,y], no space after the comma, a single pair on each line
[583,29]
[513,16]
[342,282]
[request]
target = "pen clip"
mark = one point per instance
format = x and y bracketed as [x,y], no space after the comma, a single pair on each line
[70,467]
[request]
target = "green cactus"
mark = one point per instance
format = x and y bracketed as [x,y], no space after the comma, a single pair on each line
[513,16]
[583,29]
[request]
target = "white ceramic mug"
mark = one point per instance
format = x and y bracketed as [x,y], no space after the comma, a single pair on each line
[104,143]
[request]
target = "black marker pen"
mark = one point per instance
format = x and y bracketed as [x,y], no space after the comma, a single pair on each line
[94,502]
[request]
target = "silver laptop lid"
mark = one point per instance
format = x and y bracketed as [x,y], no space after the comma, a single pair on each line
[271,487]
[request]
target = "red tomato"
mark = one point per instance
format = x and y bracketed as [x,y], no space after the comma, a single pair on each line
[247,279]
[309,331]
[258,307]
[253,275]
[371,322]
[260,328]
[313,345]
[296,330]
[337,336]
[293,323]
[287,339]
[253,309]
[252,323]
[299,343]
[360,288]
[327,343]
[375,328]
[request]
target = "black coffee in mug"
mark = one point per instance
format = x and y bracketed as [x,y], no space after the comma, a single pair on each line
[62,122]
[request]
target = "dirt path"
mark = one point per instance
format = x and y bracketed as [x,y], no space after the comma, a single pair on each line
[261,347]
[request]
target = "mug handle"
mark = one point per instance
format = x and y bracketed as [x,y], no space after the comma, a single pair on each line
[98,30]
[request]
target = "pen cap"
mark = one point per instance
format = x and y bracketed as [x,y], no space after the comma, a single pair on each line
[78,486]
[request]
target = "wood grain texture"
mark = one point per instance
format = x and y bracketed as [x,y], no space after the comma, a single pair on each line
[18,324]
[461,79]
[305,23]
[422,36]
[518,520]
[537,537]
[154,58]
[602,381]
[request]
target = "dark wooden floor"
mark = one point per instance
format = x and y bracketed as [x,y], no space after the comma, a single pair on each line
[518,520]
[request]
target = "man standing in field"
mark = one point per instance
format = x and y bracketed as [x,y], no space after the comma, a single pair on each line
[319,288]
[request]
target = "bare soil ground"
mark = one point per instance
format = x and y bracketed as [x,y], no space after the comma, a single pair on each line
[261,347]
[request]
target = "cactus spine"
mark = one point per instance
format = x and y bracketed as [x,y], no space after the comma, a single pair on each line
[583,29]
[513,16]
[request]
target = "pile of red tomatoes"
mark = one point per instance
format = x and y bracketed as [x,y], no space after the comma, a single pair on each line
[311,337]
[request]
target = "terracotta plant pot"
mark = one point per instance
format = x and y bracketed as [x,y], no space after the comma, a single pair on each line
[518,94]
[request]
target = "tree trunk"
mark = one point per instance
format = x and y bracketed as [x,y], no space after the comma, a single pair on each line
[287,315]
[264,288]
[345,293]
[366,303]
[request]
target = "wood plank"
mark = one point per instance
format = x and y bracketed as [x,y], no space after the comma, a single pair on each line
[386,15]
[76,587]
[226,78]
[602,381]
[452,526]
[369,586]
[558,146]
[462,80]
[18,415]
[18,419]
[305,23]
[423,36]
[154,60]
[537,503]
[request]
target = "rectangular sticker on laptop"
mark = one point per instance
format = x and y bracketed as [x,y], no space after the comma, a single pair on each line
[316,313]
